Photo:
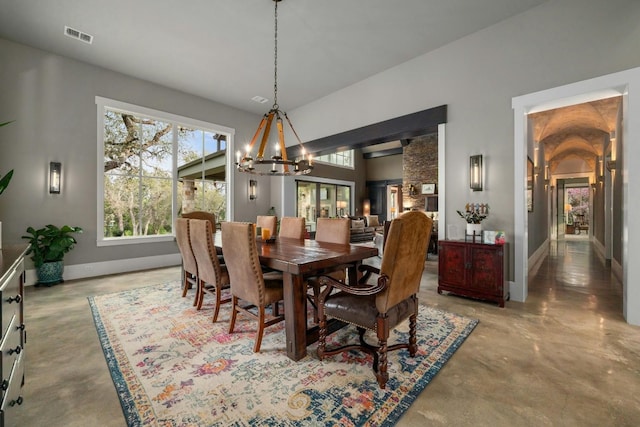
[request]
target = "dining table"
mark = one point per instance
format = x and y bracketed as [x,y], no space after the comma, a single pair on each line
[299,259]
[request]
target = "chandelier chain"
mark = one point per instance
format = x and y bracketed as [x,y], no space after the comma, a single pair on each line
[275,58]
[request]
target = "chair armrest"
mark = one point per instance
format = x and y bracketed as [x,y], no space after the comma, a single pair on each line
[367,269]
[362,288]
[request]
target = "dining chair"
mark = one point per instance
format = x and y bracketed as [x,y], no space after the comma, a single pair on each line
[209,216]
[248,282]
[292,227]
[329,230]
[385,303]
[212,277]
[189,263]
[269,222]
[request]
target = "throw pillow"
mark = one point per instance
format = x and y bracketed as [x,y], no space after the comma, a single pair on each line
[357,223]
[372,221]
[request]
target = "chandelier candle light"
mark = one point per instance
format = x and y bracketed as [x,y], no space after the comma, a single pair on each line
[278,164]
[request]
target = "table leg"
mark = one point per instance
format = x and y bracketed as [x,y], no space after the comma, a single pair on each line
[295,315]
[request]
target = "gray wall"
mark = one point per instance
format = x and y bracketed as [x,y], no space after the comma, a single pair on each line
[52,100]
[384,168]
[557,43]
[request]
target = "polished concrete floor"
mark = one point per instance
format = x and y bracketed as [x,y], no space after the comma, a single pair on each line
[566,357]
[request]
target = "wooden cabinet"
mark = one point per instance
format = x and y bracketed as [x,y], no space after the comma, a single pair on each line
[13,333]
[474,270]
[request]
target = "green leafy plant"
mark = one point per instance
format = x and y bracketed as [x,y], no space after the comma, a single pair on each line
[50,243]
[472,217]
[4,181]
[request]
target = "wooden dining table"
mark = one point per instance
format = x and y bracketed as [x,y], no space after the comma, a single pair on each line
[298,259]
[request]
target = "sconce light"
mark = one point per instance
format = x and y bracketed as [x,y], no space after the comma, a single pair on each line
[611,165]
[536,170]
[475,172]
[366,208]
[253,189]
[593,186]
[55,173]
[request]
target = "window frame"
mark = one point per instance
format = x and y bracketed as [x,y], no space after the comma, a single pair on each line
[106,103]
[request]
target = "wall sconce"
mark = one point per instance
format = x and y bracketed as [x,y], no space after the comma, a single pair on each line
[611,165]
[593,186]
[536,170]
[55,175]
[475,172]
[366,208]
[253,189]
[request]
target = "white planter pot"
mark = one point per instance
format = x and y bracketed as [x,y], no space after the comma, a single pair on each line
[471,228]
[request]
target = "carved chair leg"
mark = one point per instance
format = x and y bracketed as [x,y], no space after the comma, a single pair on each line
[382,375]
[413,343]
[234,312]
[322,337]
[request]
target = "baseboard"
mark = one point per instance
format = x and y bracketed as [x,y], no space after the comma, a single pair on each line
[95,269]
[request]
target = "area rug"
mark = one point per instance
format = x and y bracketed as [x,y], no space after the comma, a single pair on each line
[172,366]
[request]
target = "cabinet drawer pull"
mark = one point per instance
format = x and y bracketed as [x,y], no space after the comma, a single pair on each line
[18,401]
[20,328]
[16,350]
[5,385]
[17,298]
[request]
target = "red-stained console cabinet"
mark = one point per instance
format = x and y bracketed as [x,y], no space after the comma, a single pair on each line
[473,270]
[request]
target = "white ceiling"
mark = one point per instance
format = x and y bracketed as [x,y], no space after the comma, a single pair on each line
[223,49]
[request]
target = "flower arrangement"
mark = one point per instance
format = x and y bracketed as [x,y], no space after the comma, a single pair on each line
[474,214]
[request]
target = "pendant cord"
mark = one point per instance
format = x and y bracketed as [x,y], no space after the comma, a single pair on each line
[275,60]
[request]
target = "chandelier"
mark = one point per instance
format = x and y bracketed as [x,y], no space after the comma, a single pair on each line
[278,164]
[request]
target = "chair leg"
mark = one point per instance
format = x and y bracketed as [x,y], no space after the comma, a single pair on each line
[322,337]
[185,284]
[234,312]
[413,342]
[200,298]
[381,374]
[256,347]
[218,301]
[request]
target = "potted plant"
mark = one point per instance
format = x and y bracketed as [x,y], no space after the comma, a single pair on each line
[48,246]
[474,217]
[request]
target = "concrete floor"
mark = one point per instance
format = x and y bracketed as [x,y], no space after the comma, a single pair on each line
[565,357]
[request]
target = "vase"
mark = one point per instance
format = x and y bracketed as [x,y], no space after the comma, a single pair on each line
[50,273]
[474,229]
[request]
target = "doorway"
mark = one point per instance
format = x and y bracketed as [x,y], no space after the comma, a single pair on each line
[321,200]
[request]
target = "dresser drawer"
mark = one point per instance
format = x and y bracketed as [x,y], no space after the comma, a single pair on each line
[11,297]
[12,399]
[11,349]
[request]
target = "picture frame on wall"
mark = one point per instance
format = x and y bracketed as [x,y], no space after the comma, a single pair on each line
[529,185]
[428,188]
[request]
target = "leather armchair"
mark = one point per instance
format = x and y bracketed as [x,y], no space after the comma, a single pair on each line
[385,303]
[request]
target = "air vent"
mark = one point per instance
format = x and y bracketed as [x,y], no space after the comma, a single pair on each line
[259,99]
[78,35]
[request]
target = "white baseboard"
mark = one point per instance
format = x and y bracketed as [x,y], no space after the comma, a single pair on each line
[95,269]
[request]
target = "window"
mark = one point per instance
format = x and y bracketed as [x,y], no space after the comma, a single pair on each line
[155,166]
[343,158]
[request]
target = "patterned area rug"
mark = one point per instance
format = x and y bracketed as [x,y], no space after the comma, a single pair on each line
[173,367]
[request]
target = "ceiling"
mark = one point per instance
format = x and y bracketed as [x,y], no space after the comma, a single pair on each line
[580,131]
[223,50]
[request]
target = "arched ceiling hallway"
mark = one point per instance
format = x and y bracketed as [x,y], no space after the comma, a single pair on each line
[624,84]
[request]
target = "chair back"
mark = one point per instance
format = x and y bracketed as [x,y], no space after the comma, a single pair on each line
[333,230]
[241,259]
[209,216]
[403,258]
[184,245]
[292,227]
[204,251]
[268,222]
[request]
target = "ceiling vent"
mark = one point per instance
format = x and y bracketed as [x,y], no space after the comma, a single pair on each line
[78,35]
[259,99]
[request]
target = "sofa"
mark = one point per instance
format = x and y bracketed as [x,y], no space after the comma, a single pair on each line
[364,228]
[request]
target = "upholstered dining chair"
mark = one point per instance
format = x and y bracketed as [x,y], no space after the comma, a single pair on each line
[209,216]
[292,227]
[385,303]
[269,222]
[248,283]
[212,277]
[330,230]
[189,264]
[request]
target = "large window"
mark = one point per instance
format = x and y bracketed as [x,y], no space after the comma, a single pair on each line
[154,166]
[343,158]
